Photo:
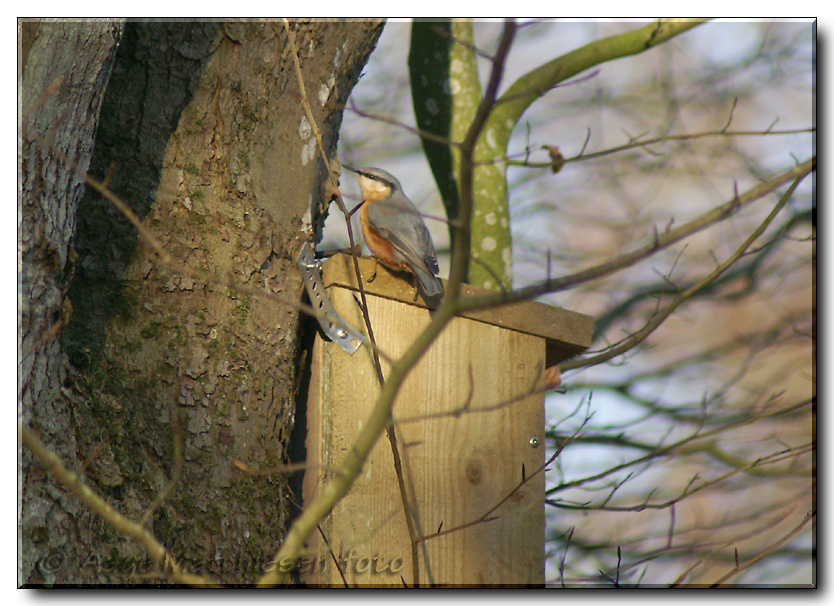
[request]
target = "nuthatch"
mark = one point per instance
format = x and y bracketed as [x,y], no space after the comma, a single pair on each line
[394,230]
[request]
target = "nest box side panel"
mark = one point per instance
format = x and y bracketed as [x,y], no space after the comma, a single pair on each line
[470,423]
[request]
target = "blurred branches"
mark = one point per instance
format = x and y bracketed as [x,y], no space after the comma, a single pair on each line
[631,192]
[446,90]
[688,450]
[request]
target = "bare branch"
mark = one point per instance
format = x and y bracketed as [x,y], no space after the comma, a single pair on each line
[138,532]
[636,143]
[808,517]
[658,319]
[663,241]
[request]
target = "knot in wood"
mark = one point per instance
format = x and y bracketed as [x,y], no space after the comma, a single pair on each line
[474,472]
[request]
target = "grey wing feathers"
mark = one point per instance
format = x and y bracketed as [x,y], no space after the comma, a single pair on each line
[400,223]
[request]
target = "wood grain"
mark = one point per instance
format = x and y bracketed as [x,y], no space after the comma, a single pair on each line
[567,333]
[457,466]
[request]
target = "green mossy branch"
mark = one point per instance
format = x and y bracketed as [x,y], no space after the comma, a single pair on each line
[444,80]
[535,83]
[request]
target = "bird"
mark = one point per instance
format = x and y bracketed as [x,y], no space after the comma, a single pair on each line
[394,230]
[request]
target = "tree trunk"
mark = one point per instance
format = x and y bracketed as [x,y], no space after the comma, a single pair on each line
[203,131]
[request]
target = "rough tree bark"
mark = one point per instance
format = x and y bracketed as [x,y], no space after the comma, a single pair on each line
[203,131]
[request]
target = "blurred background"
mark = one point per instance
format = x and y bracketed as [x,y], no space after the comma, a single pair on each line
[692,452]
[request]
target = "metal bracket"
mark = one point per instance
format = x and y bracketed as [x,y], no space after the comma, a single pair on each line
[339,331]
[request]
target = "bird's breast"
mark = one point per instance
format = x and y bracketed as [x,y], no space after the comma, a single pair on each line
[379,246]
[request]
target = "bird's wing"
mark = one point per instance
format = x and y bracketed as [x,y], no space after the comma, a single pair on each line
[400,223]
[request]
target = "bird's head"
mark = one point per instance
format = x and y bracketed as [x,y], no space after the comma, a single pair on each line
[375,183]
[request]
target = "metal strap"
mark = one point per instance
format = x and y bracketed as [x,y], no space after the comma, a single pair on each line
[337,330]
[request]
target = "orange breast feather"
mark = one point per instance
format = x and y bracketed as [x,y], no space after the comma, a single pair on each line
[381,248]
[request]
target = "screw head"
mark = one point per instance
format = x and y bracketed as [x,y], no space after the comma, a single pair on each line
[534,441]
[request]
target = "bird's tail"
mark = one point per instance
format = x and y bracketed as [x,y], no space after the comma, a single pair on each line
[431,284]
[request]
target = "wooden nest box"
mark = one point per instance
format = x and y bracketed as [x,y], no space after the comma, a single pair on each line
[469,420]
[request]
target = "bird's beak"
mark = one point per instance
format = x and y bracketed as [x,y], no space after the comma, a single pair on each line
[350,168]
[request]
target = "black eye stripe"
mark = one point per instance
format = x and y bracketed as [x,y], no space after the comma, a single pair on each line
[377,178]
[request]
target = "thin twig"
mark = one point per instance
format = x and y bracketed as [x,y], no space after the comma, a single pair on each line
[660,242]
[766,552]
[167,259]
[333,556]
[147,236]
[634,143]
[74,484]
[267,578]
[659,318]
[488,517]
[380,416]
[392,437]
[466,406]
[665,450]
